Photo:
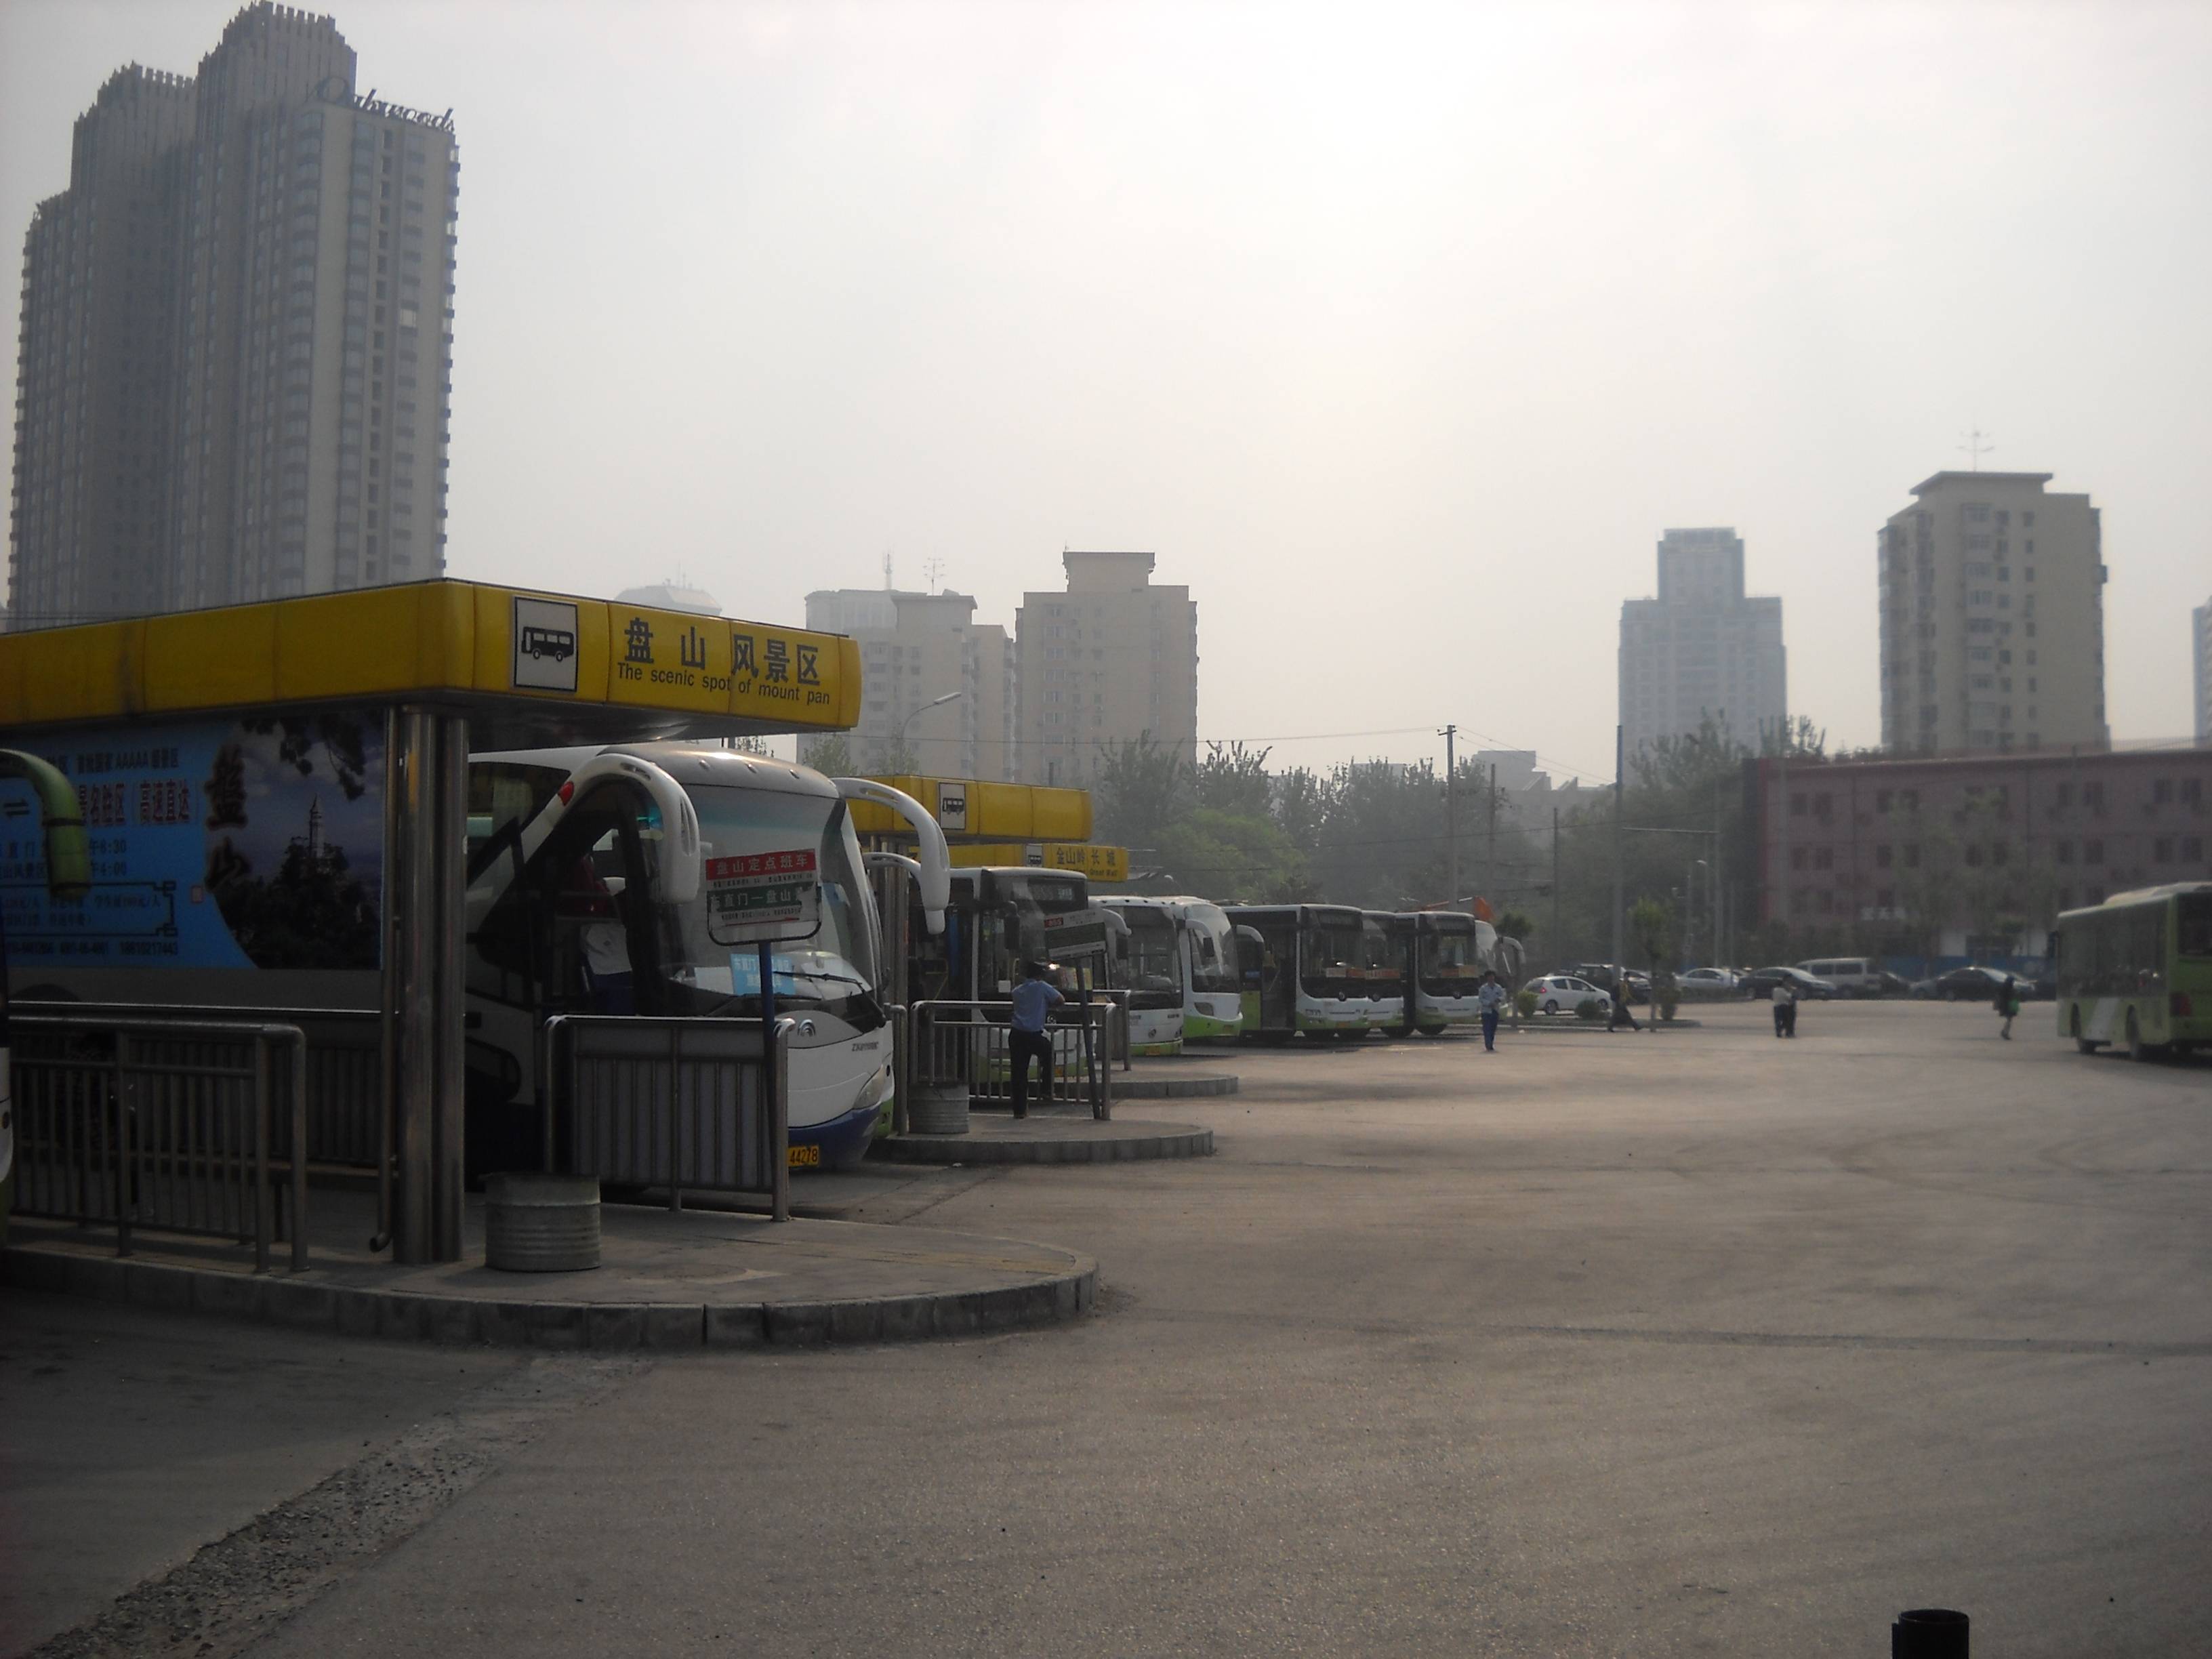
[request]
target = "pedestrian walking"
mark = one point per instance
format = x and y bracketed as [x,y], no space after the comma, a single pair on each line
[1491,996]
[1621,1013]
[2008,1006]
[1785,1009]
[1033,999]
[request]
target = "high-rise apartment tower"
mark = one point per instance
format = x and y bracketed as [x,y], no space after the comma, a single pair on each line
[1112,660]
[237,337]
[1992,618]
[2200,635]
[915,649]
[1701,650]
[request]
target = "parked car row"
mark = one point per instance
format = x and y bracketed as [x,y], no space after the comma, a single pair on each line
[1821,980]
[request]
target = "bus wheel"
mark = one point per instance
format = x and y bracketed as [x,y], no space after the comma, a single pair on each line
[2137,1048]
[2080,1042]
[1430,1030]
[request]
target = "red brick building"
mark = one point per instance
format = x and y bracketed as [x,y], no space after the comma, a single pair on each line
[1971,854]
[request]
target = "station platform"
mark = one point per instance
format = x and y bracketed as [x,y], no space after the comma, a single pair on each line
[1192,1075]
[1049,1135]
[693,1279]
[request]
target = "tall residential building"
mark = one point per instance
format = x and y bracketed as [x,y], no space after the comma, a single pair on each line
[1111,659]
[915,649]
[1992,618]
[237,336]
[1701,649]
[2200,634]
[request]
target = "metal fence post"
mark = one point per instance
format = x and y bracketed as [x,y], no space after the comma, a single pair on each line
[261,1195]
[299,1039]
[778,1117]
[121,1149]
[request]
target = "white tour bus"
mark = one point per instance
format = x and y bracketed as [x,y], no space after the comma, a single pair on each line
[585,897]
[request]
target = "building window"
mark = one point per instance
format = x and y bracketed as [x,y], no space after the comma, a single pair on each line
[2063,852]
[2092,851]
[1881,854]
[1797,805]
[2161,850]
[1912,856]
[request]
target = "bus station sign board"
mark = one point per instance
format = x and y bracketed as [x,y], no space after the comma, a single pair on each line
[762,898]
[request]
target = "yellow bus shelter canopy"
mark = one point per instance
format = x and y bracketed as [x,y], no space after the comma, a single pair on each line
[1099,863]
[527,668]
[968,809]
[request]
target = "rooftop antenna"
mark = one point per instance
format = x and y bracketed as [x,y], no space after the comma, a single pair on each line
[1975,447]
[888,583]
[934,571]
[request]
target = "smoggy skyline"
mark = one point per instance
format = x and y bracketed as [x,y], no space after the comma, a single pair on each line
[1400,335]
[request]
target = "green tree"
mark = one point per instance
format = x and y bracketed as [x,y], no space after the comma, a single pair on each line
[1233,779]
[1651,927]
[830,756]
[1232,856]
[1141,789]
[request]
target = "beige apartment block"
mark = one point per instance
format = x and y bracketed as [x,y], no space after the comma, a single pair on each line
[1992,618]
[915,649]
[1702,650]
[237,337]
[1112,660]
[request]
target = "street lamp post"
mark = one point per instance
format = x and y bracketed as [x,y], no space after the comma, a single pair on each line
[900,748]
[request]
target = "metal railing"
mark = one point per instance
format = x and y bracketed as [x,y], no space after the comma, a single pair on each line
[696,1104]
[161,1124]
[951,1043]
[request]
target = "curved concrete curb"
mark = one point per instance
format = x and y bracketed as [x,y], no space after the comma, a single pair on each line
[1173,1088]
[312,1302]
[1118,1144]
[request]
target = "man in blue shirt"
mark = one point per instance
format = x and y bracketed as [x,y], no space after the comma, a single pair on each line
[1032,999]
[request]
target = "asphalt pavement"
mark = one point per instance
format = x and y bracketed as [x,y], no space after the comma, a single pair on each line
[1707,1344]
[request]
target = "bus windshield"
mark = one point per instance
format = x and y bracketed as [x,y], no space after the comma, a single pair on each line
[1381,956]
[1153,964]
[1448,960]
[1330,954]
[836,969]
[1213,949]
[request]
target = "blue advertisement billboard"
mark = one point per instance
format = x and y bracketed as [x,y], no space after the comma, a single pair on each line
[226,843]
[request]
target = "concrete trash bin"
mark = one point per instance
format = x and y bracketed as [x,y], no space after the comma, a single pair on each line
[541,1223]
[938,1108]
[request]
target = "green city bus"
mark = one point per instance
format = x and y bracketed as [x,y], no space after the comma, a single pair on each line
[2138,969]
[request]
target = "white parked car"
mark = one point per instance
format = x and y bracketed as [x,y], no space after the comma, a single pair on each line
[1558,994]
[1708,979]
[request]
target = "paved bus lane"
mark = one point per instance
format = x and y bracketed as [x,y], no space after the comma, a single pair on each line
[1706,1343]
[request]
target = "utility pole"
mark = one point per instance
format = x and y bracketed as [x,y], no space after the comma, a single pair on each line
[1781,883]
[1555,885]
[1451,815]
[1713,875]
[1618,814]
[1490,870]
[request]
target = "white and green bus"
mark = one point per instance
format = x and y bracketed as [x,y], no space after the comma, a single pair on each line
[2136,970]
[1181,947]
[1313,970]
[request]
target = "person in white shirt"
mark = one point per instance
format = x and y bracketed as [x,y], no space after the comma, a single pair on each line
[1491,996]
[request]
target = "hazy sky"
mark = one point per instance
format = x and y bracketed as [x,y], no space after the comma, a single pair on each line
[1399,333]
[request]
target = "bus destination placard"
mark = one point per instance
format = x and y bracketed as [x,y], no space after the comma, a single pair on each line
[760,898]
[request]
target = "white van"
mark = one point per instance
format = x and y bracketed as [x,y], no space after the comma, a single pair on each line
[1852,976]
